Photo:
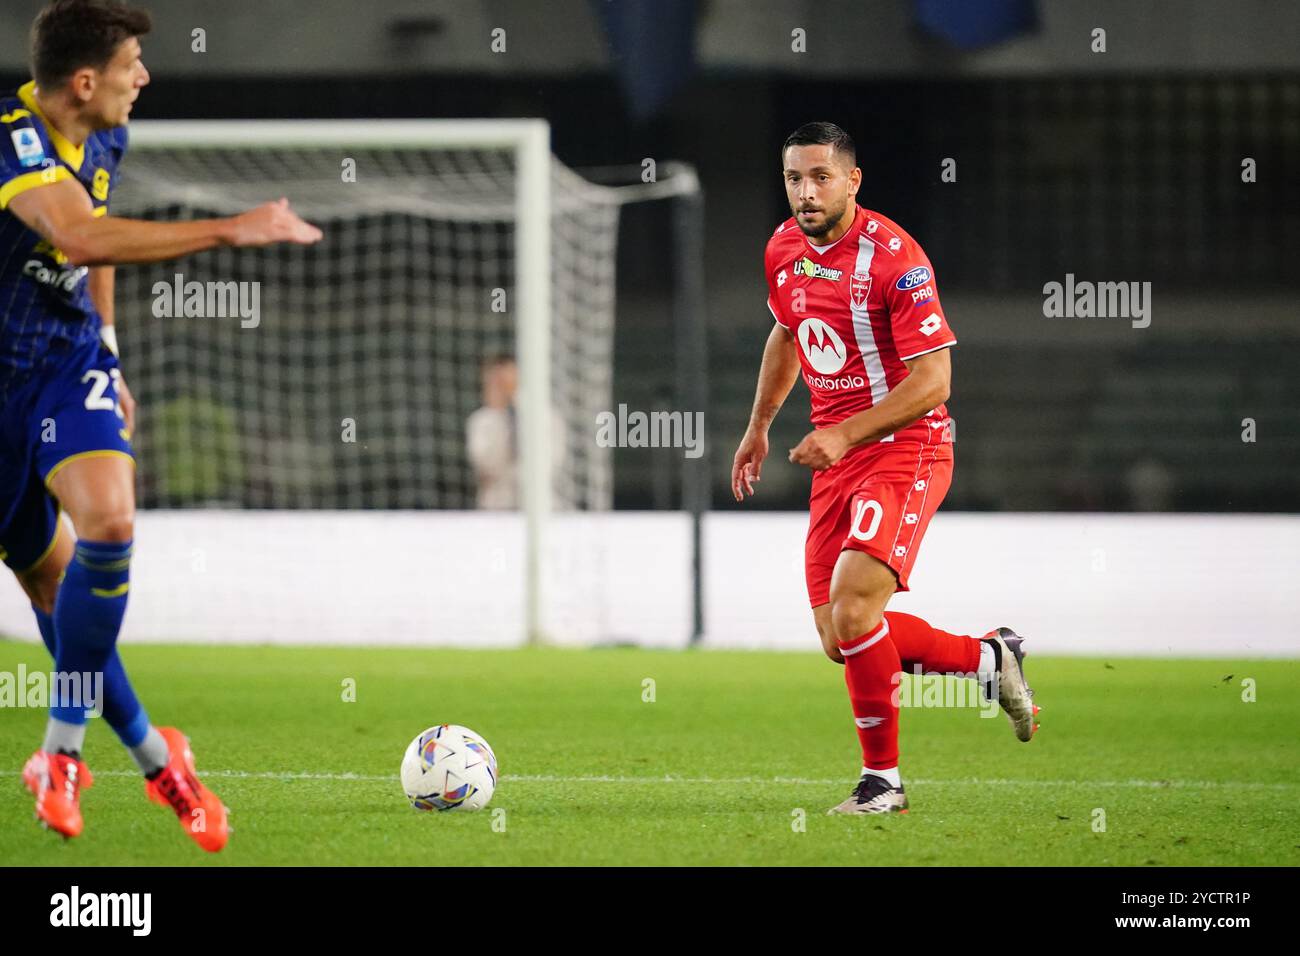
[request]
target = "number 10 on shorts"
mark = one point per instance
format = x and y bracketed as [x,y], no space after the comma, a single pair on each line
[860,509]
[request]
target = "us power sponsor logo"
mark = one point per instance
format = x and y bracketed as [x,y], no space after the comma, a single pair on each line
[1098,300]
[827,355]
[131,910]
[812,270]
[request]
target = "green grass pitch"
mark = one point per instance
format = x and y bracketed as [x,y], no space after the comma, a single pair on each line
[715,770]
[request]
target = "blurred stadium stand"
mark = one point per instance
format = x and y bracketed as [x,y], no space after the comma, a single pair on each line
[1123,166]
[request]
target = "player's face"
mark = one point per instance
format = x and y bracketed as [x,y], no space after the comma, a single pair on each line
[820,185]
[117,86]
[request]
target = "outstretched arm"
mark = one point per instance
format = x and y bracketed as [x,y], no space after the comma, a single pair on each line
[62,213]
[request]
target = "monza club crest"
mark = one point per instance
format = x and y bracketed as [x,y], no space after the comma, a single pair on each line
[859,287]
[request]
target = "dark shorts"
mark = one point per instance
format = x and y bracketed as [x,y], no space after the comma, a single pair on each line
[65,412]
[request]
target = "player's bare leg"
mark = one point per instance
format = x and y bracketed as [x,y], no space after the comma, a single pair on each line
[41,583]
[860,590]
[826,631]
[98,493]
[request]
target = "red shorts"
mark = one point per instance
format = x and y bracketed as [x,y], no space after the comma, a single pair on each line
[879,500]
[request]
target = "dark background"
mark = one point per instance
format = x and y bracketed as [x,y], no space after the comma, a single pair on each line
[1124,166]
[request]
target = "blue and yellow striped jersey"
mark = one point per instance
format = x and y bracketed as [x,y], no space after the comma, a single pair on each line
[45,304]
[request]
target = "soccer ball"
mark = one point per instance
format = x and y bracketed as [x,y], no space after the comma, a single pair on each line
[449,767]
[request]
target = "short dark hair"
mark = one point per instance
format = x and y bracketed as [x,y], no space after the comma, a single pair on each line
[70,34]
[822,134]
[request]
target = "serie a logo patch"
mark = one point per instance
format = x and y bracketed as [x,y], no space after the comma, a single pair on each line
[27,145]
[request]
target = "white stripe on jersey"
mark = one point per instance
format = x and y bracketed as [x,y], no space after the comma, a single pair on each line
[871,361]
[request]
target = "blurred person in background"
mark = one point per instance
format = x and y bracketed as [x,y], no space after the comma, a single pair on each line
[492,437]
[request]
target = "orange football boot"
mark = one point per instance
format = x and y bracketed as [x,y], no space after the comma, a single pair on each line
[201,812]
[57,780]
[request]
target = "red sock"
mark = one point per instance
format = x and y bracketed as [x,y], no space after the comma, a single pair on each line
[936,651]
[871,667]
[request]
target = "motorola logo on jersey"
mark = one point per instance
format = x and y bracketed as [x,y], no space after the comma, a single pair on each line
[823,346]
[910,280]
[834,384]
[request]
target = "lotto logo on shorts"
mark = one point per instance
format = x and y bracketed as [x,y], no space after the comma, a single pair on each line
[910,517]
[900,551]
[920,485]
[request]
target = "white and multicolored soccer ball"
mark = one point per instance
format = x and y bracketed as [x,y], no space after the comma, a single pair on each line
[449,767]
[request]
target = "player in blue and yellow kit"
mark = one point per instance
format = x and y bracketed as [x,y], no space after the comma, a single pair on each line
[65,413]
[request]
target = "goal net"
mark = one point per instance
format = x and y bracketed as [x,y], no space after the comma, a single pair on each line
[303,410]
[383,328]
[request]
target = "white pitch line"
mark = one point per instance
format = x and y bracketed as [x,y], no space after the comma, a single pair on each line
[740,781]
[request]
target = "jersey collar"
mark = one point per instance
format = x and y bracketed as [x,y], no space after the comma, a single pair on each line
[72,155]
[857,223]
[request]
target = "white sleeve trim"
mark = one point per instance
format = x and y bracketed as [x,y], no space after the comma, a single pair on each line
[946,345]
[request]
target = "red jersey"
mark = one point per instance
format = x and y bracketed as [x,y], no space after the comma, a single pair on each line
[858,308]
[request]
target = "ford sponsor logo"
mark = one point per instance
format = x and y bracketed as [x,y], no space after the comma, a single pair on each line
[910,280]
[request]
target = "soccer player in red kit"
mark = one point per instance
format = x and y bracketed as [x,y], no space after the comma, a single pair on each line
[857,311]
